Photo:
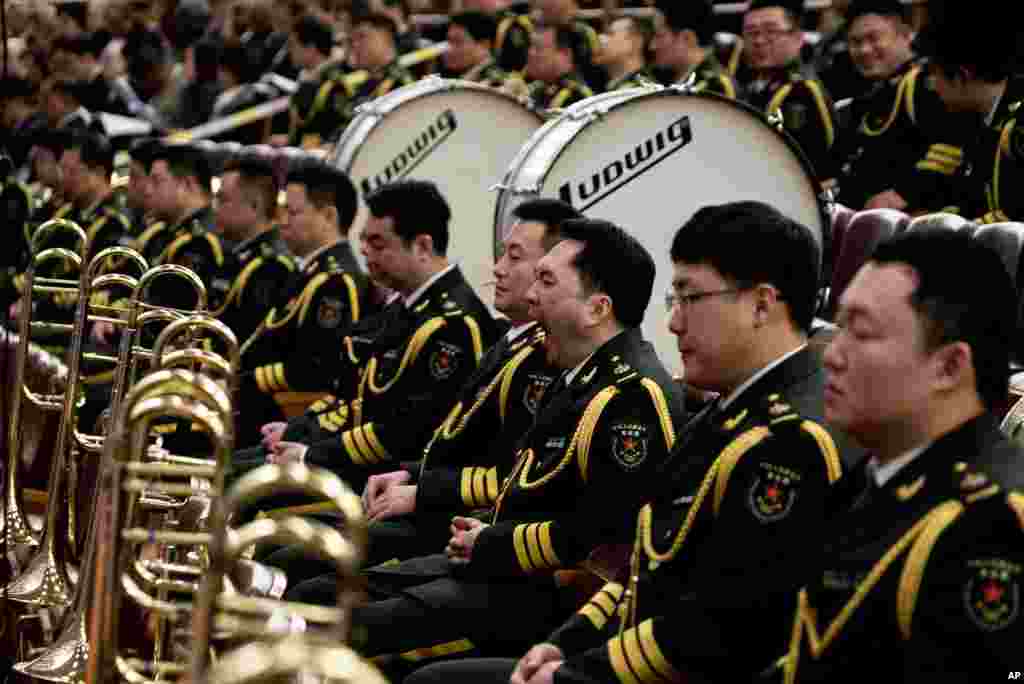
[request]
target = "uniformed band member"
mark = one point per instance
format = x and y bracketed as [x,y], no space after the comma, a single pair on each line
[896,139]
[772,39]
[922,571]
[470,56]
[601,432]
[681,46]
[324,298]
[582,37]
[513,27]
[415,363]
[310,112]
[257,263]
[745,485]
[622,51]
[372,47]
[452,466]
[554,82]
[985,85]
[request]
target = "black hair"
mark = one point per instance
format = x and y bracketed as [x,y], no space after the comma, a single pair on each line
[311,31]
[377,20]
[259,176]
[958,34]
[613,262]
[78,10]
[183,160]
[479,25]
[695,15]
[93,148]
[144,150]
[883,8]
[417,207]
[751,243]
[793,9]
[550,212]
[324,183]
[980,311]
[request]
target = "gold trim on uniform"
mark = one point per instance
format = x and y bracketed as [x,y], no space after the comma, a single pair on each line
[533,547]
[637,659]
[445,649]
[941,158]
[602,605]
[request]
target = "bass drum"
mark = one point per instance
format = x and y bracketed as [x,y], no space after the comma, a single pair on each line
[458,134]
[648,158]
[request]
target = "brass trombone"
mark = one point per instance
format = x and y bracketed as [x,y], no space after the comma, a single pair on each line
[18,532]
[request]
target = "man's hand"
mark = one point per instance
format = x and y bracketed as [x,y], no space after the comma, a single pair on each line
[272,433]
[540,662]
[890,199]
[378,485]
[103,333]
[464,533]
[14,311]
[394,502]
[287,452]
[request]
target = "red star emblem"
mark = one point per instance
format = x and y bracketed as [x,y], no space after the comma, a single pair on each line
[992,592]
[772,493]
[442,360]
[628,443]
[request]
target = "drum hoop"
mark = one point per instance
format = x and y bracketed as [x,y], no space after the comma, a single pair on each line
[820,235]
[354,137]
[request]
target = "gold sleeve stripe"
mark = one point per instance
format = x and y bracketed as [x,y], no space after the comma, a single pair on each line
[951,151]
[279,378]
[617,659]
[605,602]
[661,406]
[1016,501]
[778,98]
[353,297]
[465,487]
[491,486]
[351,449]
[641,658]
[942,158]
[261,379]
[441,650]
[596,617]
[547,548]
[478,485]
[833,466]
[375,443]
[519,544]
[727,87]
[359,437]
[823,111]
[731,455]
[917,561]
[937,168]
[911,95]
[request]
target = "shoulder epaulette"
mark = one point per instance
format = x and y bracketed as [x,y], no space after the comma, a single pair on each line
[973,485]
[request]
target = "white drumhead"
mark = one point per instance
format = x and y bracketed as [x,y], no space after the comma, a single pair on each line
[649,161]
[459,135]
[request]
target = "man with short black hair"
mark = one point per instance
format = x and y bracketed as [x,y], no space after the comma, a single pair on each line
[580,36]
[512,33]
[470,43]
[310,47]
[681,46]
[551,68]
[729,512]
[772,39]
[327,295]
[601,433]
[922,567]
[413,357]
[622,52]
[975,66]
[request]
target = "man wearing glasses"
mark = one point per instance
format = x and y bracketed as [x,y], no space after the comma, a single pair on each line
[720,542]
[772,39]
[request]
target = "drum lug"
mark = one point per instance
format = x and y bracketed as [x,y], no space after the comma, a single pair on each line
[587,116]
[368,109]
[520,190]
[775,119]
[687,86]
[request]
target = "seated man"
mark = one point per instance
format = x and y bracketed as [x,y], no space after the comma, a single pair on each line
[554,82]
[745,485]
[601,433]
[470,49]
[292,346]
[682,47]
[923,564]
[410,509]
[622,53]
[420,353]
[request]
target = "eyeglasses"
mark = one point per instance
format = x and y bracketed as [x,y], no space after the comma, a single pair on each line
[686,301]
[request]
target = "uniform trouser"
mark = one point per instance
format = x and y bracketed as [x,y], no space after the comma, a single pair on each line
[468,671]
[425,603]
[310,581]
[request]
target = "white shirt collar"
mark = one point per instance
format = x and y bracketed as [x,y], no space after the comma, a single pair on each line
[412,299]
[885,472]
[571,375]
[734,395]
[515,332]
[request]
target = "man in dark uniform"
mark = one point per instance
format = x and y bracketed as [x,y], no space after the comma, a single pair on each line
[746,482]
[425,351]
[923,563]
[310,113]
[975,64]
[622,52]
[893,136]
[469,56]
[325,297]
[582,37]
[513,28]
[780,82]
[601,433]
[452,466]
[551,70]
[373,49]
[683,34]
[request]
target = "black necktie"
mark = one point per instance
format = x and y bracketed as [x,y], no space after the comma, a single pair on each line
[868,492]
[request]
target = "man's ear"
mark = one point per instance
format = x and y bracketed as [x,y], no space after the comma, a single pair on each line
[954,365]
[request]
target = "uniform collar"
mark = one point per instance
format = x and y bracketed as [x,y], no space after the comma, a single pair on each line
[411,300]
[749,382]
[316,253]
